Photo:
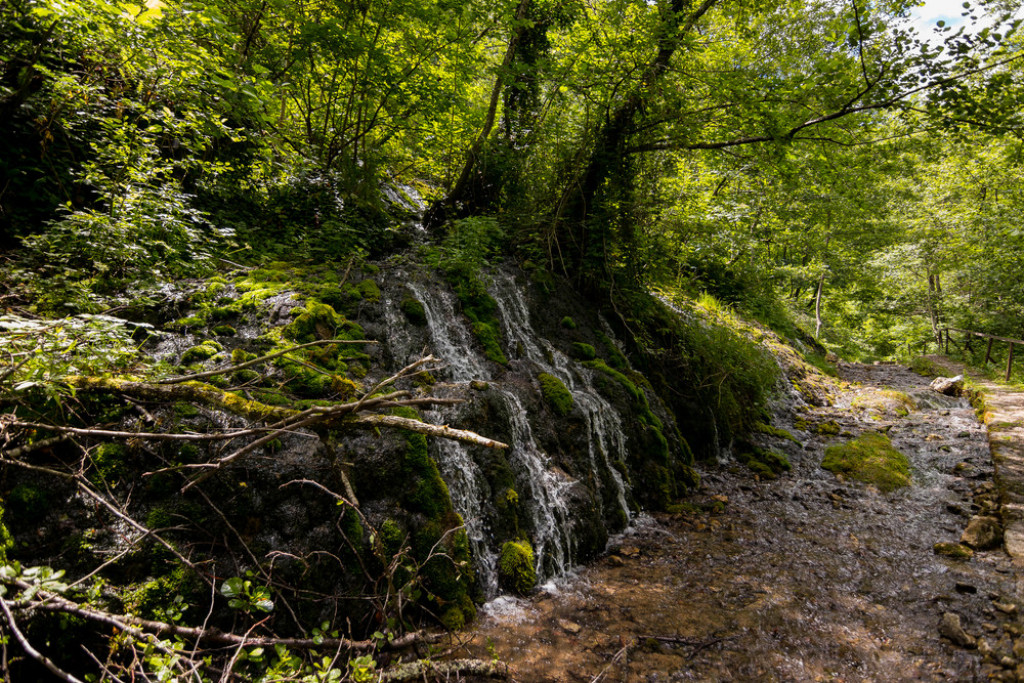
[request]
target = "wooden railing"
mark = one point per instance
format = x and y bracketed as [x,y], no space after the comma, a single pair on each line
[988,351]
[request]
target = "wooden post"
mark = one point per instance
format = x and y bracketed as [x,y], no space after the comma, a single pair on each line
[988,351]
[1009,363]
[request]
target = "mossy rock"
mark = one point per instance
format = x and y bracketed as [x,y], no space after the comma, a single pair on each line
[583,351]
[208,349]
[369,291]
[871,459]
[568,323]
[315,321]
[516,572]
[770,430]
[225,331]
[414,311]
[763,462]
[557,395]
[487,335]
[957,551]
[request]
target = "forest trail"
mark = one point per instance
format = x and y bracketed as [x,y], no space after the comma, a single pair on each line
[1004,418]
[806,577]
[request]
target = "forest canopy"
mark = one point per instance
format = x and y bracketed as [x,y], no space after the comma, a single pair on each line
[815,150]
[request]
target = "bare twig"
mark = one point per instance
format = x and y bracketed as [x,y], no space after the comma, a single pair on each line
[32,652]
[443,431]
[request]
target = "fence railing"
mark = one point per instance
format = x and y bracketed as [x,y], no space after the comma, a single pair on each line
[988,350]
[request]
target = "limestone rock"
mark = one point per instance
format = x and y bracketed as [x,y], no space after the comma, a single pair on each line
[982,533]
[950,628]
[950,386]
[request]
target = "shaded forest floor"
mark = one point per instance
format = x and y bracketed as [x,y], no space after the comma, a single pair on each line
[804,577]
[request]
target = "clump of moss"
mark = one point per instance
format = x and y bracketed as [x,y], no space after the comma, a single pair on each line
[487,335]
[870,458]
[885,401]
[110,461]
[225,331]
[765,463]
[568,323]
[239,356]
[957,551]
[614,356]
[515,567]
[771,430]
[208,349]
[188,323]
[583,351]
[414,311]
[315,321]
[826,428]
[555,393]
[369,290]
[479,306]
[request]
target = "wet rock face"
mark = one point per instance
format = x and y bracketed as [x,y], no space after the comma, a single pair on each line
[983,533]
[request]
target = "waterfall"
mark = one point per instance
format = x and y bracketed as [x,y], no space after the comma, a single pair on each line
[607,441]
[546,491]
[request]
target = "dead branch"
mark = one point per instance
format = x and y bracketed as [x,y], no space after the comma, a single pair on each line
[445,670]
[410,369]
[261,359]
[443,431]
[147,628]
[112,434]
[32,652]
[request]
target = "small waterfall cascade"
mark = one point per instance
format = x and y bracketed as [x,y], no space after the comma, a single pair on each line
[452,343]
[607,440]
[547,492]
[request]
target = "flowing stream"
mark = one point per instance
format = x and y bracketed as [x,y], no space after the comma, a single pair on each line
[804,578]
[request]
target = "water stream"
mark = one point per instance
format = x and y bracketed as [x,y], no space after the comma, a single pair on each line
[803,578]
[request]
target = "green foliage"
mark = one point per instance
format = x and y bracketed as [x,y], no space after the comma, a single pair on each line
[245,595]
[555,393]
[926,367]
[583,351]
[515,567]
[870,458]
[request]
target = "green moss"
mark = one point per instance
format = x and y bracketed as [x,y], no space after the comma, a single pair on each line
[768,464]
[245,376]
[603,368]
[110,460]
[6,542]
[315,321]
[568,323]
[557,395]
[225,331]
[487,335]
[453,619]
[188,323]
[516,572]
[583,351]
[239,356]
[870,458]
[612,353]
[392,537]
[208,349]
[957,551]
[29,502]
[414,311]
[768,429]
[184,410]
[369,290]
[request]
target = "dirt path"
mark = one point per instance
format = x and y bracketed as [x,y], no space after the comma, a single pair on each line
[803,578]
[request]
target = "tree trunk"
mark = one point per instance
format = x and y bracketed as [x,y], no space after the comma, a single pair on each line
[817,305]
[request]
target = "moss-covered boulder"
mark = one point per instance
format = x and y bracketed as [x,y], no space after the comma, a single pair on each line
[872,459]
[516,571]
[555,393]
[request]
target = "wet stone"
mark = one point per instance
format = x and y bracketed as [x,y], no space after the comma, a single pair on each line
[951,628]
[950,386]
[1005,607]
[982,533]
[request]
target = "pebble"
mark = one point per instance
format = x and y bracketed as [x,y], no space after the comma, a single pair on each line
[951,628]
[1005,607]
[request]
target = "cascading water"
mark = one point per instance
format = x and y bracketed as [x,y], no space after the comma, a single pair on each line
[546,490]
[607,441]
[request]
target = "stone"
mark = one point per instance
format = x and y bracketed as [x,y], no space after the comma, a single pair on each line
[985,649]
[982,533]
[569,626]
[950,628]
[1005,607]
[957,551]
[962,587]
[479,385]
[950,386]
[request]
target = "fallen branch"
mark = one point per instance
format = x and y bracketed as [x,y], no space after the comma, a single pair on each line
[148,628]
[445,670]
[32,652]
[443,431]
